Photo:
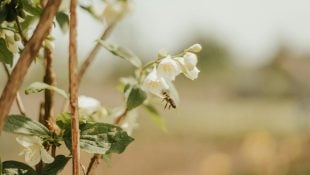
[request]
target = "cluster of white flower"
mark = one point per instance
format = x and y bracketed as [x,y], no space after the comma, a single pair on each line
[34,150]
[169,67]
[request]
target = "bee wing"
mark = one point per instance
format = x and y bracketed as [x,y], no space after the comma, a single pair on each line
[174,95]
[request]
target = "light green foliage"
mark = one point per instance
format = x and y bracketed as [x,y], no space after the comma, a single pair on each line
[23,125]
[6,56]
[55,167]
[100,138]
[17,168]
[40,86]
[63,20]
[31,8]
[122,52]
[135,98]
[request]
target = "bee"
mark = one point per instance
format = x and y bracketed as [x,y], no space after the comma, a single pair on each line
[169,101]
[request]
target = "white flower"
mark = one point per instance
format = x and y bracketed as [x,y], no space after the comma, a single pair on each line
[193,74]
[91,108]
[34,150]
[130,122]
[10,42]
[168,68]
[194,48]
[189,62]
[154,84]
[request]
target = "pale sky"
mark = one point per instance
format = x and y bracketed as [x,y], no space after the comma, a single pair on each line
[252,29]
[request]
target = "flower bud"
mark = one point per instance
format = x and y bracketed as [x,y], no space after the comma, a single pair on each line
[194,48]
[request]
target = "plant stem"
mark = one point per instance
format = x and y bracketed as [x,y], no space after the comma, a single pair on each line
[73,89]
[120,118]
[30,51]
[20,31]
[49,79]
[19,102]
[90,58]
[94,162]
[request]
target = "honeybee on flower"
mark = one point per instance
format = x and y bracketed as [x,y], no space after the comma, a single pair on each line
[159,80]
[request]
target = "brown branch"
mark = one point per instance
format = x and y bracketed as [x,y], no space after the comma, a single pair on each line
[49,79]
[30,51]
[73,89]
[19,102]
[90,58]
[94,162]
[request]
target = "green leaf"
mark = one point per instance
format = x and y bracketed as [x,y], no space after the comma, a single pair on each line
[122,52]
[63,20]
[27,22]
[155,117]
[39,86]
[135,98]
[6,56]
[57,166]
[63,120]
[31,8]
[17,168]
[100,138]
[19,124]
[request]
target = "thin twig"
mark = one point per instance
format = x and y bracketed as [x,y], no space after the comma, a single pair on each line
[121,117]
[106,33]
[73,89]
[90,58]
[20,31]
[30,51]
[19,102]
[94,162]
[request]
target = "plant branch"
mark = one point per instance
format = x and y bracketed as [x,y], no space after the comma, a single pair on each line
[90,58]
[106,33]
[73,89]
[30,51]
[20,31]
[94,162]
[49,78]
[19,102]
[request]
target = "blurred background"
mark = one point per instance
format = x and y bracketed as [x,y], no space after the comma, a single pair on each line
[247,113]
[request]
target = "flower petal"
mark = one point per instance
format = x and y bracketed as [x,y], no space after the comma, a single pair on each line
[154,84]
[24,141]
[46,158]
[32,155]
[190,60]
[193,74]
[168,68]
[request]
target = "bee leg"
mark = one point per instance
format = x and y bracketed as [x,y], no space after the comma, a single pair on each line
[166,105]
